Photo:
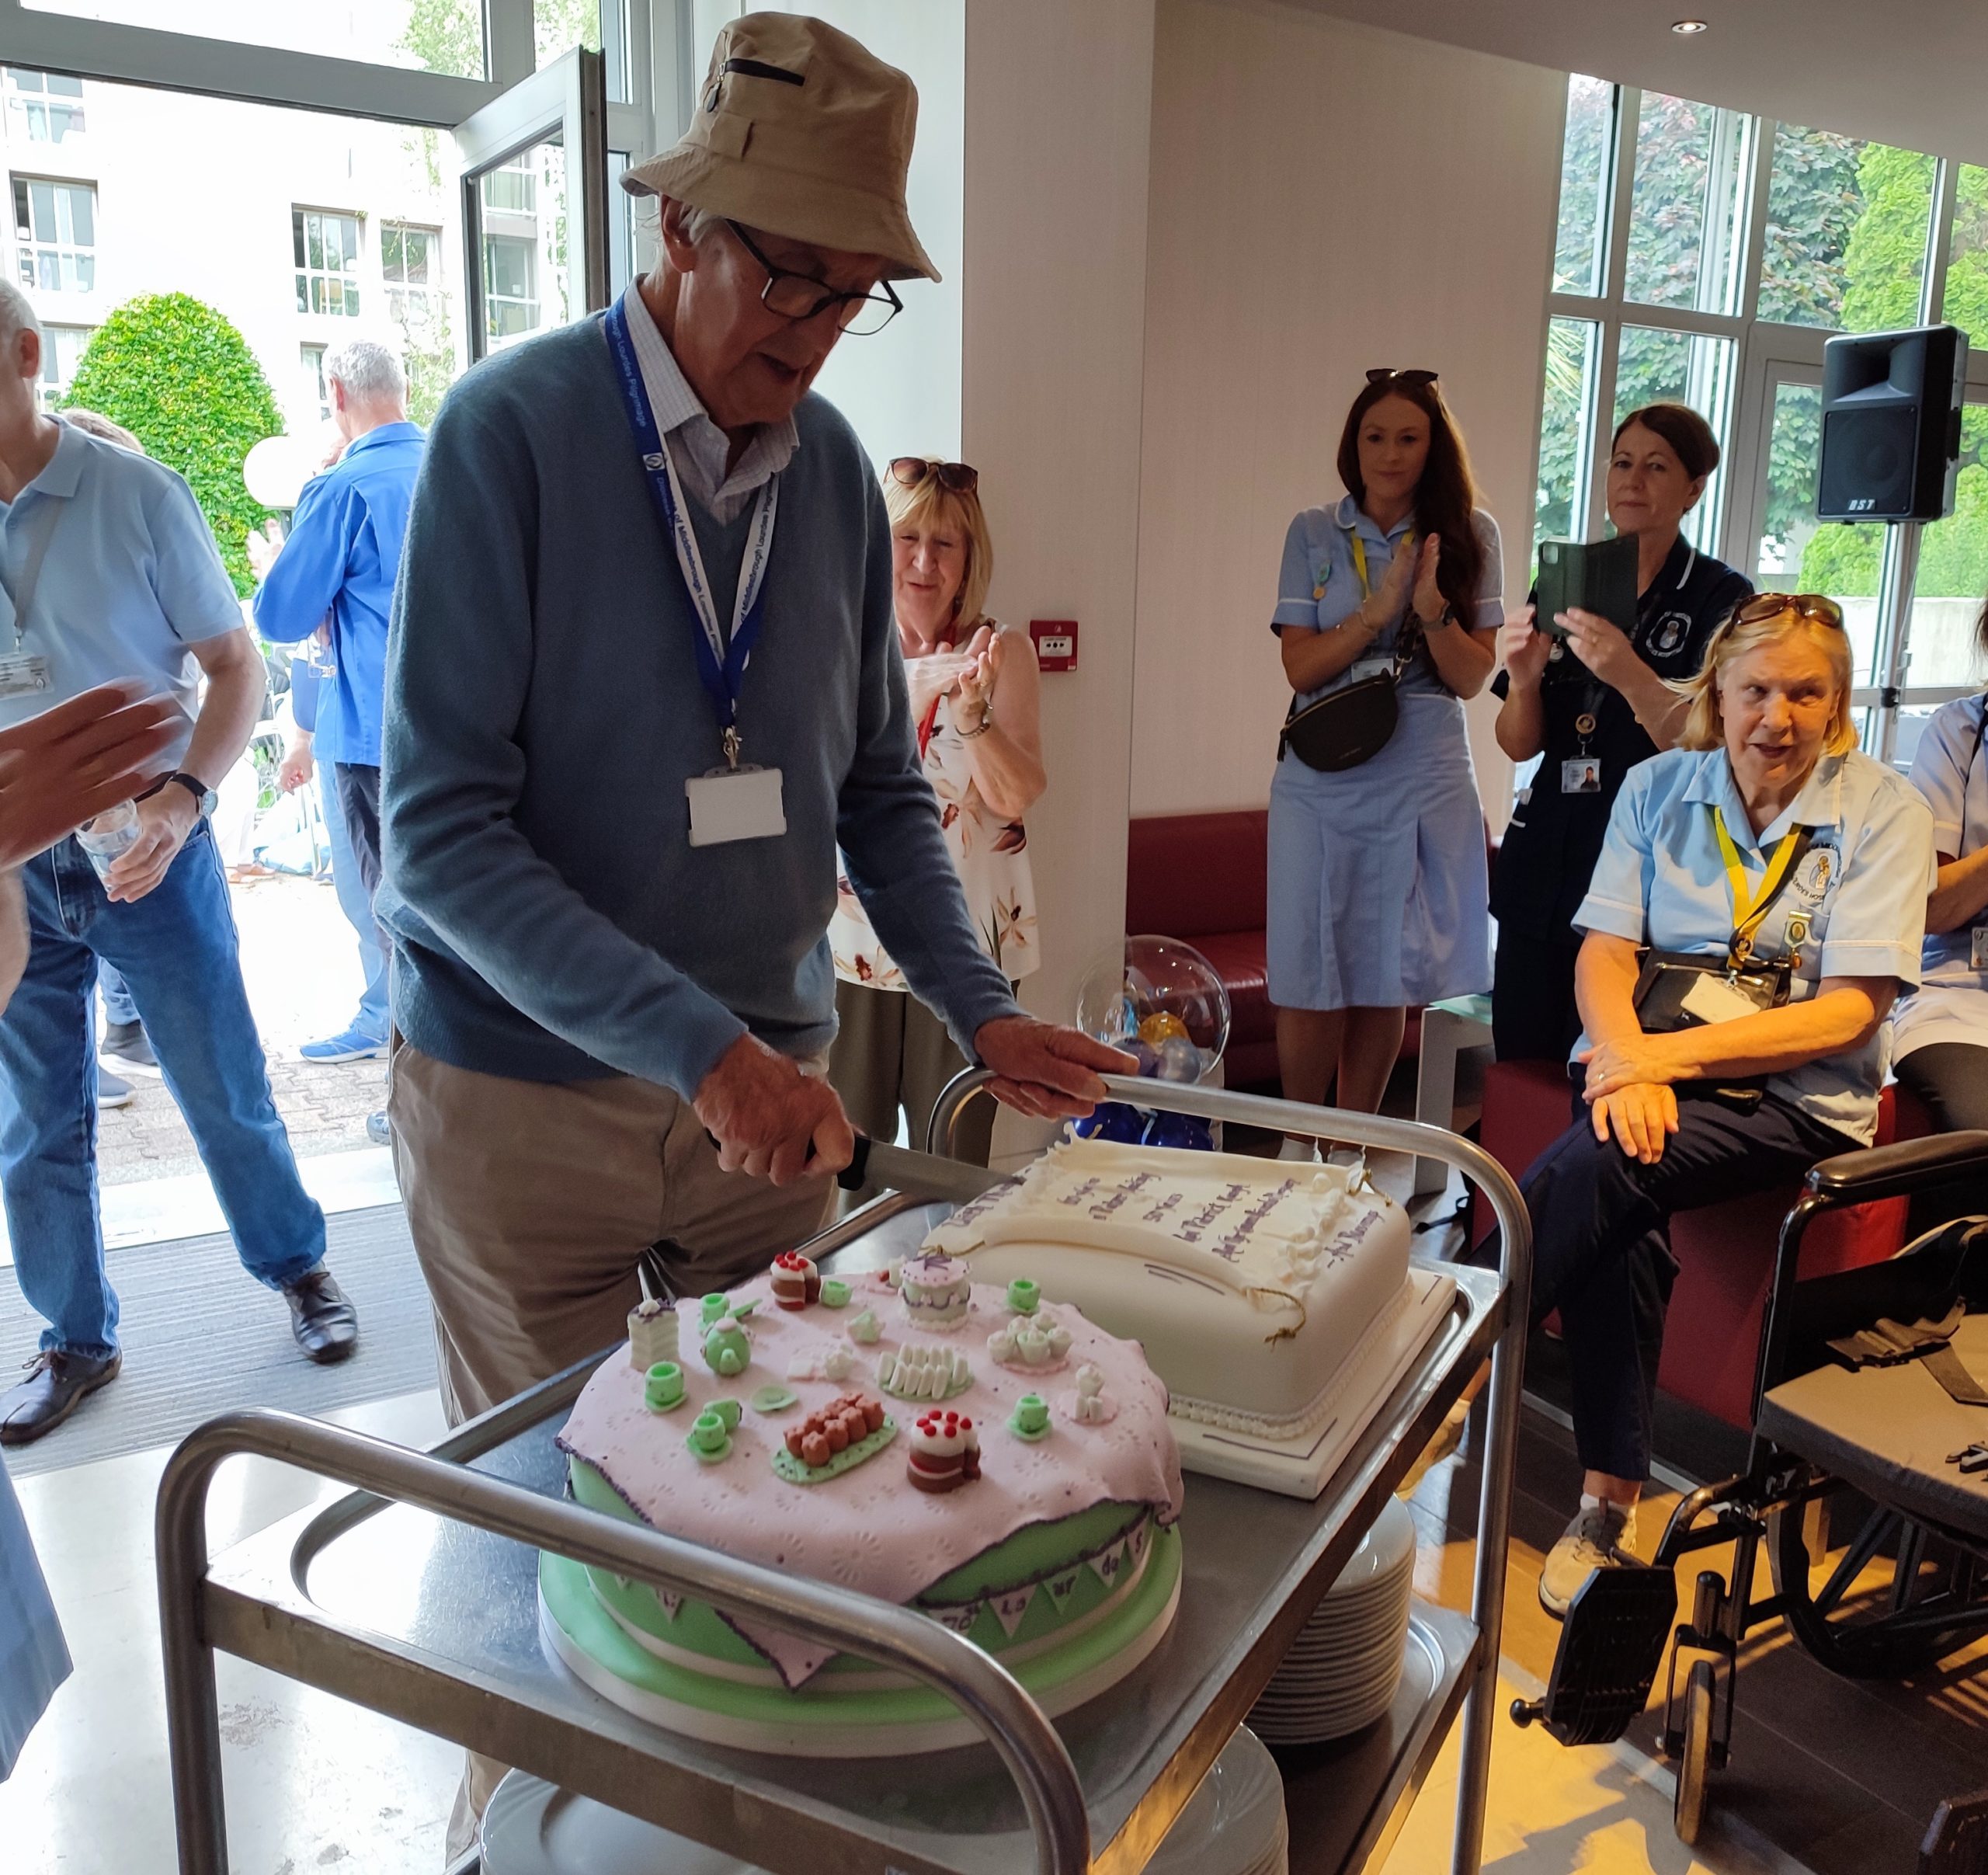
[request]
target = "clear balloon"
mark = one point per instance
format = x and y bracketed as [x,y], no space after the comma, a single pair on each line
[1161,1000]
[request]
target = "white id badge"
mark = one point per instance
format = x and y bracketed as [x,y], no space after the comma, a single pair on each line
[1580,774]
[23,674]
[1978,955]
[1370,667]
[1712,999]
[731,804]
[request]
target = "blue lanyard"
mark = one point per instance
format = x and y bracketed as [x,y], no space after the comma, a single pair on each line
[721,661]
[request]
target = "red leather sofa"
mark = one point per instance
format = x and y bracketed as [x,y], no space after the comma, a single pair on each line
[1204,878]
[1725,1252]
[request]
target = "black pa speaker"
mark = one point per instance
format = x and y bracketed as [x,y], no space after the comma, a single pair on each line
[1891,425]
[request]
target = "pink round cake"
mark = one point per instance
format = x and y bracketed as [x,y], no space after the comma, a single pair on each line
[904,1441]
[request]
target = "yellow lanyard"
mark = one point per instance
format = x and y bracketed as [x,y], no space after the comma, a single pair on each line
[1359,562]
[1749,909]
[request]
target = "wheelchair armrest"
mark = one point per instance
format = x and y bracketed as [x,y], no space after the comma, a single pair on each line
[1891,1171]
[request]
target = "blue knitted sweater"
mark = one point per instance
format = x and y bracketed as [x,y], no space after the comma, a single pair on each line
[549,918]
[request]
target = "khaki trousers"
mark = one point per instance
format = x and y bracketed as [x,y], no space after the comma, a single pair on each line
[529,1202]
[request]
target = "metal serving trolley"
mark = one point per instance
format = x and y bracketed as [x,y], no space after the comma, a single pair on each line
[416,1596]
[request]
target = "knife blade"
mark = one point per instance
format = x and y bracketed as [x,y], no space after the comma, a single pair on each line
[926,1174]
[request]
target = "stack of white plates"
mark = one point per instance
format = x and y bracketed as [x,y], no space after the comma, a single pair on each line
[1343,1670]
[1234,1825]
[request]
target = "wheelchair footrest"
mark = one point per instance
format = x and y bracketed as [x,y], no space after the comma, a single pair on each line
[1612,1645]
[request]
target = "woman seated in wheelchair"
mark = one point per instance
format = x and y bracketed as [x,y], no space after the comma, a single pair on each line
[1759,904]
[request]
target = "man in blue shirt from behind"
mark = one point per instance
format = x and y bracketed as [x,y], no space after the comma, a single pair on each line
[337,570]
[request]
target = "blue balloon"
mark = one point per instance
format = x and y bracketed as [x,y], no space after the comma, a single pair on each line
[1145,1054]
[1179,1060]
[1113,1122]
[1183,1132]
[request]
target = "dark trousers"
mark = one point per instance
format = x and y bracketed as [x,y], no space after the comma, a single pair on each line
[359,803]
[1951,1079]
[1601,1248]
[1533,1016]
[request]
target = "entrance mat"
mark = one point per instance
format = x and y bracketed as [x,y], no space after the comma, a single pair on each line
[201,1336]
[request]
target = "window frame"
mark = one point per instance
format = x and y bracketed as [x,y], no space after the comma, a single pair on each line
[29,245]
[1766,353]
[351,281]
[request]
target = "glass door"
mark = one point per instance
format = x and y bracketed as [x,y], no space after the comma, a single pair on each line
[535,218]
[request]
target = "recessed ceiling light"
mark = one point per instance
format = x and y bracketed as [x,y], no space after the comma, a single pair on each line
[1686,27]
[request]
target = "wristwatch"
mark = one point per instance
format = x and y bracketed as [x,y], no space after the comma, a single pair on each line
[204,797]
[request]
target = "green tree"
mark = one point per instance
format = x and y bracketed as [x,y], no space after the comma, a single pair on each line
[176,374]
[445,35]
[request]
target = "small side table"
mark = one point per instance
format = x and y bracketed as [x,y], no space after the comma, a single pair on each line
[1447,1029]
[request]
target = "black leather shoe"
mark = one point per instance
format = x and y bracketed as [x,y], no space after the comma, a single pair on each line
[57,1385]
[326,1325]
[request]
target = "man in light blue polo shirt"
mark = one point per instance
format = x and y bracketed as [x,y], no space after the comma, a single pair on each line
[339,564]
[108,572]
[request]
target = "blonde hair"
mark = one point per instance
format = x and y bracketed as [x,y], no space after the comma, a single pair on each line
[932,504]
[1703,726]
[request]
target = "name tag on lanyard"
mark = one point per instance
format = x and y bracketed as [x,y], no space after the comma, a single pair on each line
[23,672]
[737,801]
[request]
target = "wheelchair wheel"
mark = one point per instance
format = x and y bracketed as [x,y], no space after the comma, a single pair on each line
[1688,1809]
[1864,1635]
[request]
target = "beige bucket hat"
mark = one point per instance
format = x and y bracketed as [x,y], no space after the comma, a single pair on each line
[801,131]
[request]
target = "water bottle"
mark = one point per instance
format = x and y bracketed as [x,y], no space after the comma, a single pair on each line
[113,832]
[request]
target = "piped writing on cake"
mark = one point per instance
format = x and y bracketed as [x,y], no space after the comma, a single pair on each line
[935,1289]
[944,1452]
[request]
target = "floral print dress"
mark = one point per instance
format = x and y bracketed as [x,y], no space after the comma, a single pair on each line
[990,854]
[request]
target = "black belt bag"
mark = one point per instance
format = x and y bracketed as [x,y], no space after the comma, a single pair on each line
[1666,979]
[1344,728]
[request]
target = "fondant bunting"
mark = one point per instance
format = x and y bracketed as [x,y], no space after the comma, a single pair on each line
[1012,1607]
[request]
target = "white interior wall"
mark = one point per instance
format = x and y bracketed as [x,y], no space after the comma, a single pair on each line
[1057,123]
[1325,198]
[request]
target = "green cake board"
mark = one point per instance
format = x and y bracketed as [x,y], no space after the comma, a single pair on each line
[569,1601]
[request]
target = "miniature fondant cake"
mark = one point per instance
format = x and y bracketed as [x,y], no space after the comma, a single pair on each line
[1251,1284]
[1043,1535]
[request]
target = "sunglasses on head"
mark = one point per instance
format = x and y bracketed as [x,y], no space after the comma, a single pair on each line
[1386,374]
[909,471]
[1823,610]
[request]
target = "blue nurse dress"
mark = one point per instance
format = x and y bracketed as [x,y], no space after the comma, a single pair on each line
[33,1661]
[1378,883]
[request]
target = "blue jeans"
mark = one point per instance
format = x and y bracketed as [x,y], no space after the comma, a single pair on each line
[356,903]
[176,948]
[118,1007]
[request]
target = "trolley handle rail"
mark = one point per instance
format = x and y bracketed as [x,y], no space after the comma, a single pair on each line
[877,1631]
[1508,1359]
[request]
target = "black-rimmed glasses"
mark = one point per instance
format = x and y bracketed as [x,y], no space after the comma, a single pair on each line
[795,296]
[959,478]
[1386,374]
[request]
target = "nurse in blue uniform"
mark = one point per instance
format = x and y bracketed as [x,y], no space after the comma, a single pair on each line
[1941,1034]
[1377,873]
[1590,708]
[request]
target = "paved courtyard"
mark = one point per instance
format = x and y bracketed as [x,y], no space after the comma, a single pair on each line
[301,963]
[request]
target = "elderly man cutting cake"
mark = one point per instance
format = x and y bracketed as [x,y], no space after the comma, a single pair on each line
[643,679]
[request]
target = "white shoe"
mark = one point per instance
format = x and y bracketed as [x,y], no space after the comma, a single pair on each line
[1596,1539]
[1303,1151]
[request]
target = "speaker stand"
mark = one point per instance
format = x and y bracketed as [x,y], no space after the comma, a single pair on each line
[1888,661]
